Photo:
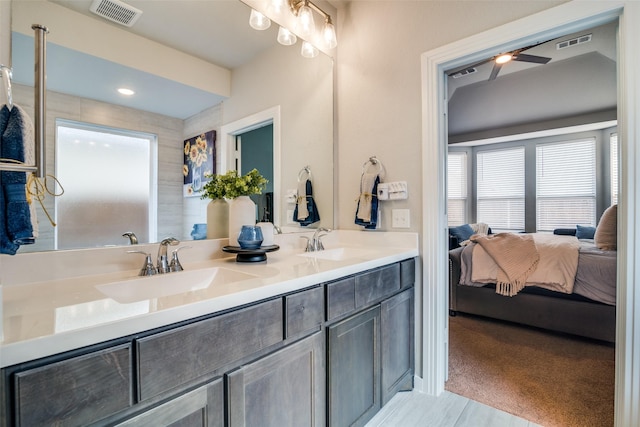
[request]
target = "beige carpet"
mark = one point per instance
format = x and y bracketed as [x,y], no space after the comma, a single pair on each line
[552,380]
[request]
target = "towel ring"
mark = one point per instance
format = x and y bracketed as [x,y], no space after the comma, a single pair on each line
[373,161]
[305,170]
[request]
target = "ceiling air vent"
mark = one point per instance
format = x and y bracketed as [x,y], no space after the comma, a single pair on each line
[116,11]
[574,42]
[464,72]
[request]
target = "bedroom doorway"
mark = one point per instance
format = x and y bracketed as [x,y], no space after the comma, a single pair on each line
[507,162]
[571,16]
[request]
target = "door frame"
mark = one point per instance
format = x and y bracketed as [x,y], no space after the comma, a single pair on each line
[228,135]
[567,18]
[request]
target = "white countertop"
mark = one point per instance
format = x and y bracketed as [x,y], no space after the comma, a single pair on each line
[71,309]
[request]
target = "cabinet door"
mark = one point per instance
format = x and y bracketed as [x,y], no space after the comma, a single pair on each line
[202,407]
[354,368]
[286,388]
[397,326]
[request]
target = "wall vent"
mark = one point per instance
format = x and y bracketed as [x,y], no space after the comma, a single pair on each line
[574,42]
[116,11]
[464,72]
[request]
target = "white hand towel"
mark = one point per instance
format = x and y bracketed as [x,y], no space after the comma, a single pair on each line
[303,212]
[30,159]
[366,190]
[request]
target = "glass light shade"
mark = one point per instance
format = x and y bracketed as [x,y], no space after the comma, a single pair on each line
[308,50]
[329,35]
[286,37]
[276,7]
[305,24]
[258,21]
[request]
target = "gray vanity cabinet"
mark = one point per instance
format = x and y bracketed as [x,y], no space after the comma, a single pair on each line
[370,348]
[202,407]
[74,391]
[286,388]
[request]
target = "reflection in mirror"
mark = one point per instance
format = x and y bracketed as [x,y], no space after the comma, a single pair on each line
[273,77]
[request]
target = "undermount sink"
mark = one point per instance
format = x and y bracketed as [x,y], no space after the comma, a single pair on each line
[337,254]
[163,285]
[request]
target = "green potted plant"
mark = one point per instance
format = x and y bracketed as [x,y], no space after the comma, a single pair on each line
[230,207]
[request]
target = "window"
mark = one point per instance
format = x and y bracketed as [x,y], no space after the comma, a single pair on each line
[457,188]
[613,159]
[109,180]
[500,188]
[565,184]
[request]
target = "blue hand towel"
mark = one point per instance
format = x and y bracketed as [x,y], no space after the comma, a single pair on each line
[314,215]
[16,209]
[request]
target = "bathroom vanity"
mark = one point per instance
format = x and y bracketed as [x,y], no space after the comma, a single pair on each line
[309,339]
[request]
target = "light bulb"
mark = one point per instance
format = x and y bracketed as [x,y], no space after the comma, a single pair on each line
[329,35]
[286,37]
[308,50]
[503,59]
[258,21]
[304,24]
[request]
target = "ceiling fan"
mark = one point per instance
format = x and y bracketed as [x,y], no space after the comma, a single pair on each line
[500,60]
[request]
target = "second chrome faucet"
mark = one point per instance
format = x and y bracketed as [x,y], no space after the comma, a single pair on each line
[163,265]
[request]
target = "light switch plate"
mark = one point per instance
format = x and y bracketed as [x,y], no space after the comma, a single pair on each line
[400,218]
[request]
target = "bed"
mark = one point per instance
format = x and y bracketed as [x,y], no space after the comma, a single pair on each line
[584,306]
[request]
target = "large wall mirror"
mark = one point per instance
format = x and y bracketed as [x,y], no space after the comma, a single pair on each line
[196,66]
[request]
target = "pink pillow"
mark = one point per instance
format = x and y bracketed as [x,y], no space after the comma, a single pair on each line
[606,237]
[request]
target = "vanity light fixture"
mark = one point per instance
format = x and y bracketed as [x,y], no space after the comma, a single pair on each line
[304,25]
[125,91]
[258,21]
[286,37]
[303,10]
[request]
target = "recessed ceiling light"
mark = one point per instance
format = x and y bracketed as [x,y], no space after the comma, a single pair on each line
[125,91]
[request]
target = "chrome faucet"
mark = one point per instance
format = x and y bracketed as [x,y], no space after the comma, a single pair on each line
[163,259]
[315,244]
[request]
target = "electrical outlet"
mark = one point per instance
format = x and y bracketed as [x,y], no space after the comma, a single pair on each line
[400,218]
[290,216]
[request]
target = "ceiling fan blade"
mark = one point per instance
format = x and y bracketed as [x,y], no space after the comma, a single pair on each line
[523,57]
[495,71]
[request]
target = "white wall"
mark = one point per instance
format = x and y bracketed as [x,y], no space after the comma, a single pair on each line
[303,88]
[379,90]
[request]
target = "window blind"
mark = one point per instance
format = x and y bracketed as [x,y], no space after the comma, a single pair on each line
[500,188]
[613,159]
[457,188]
[565,184]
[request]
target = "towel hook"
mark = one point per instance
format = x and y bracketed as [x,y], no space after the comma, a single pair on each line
[373,161]
[305,170]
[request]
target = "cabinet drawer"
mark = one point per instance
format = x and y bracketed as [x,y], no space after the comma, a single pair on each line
[175,357]
[75,391]
[341,297]
[304,312]
[407,273]
[377,284]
